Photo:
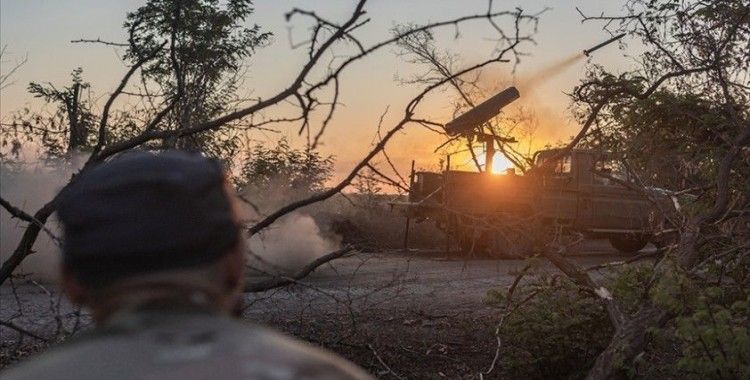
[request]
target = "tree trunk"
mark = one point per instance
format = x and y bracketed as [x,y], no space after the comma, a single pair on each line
[627,343]
[630,339]
[77,133]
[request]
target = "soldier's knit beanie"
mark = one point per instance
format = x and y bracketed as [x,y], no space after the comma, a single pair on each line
[144,212]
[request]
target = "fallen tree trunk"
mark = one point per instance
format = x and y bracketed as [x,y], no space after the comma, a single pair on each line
[628,342]
[584,280]
[630,339]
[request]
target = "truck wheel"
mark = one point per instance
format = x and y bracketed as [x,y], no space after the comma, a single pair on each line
[628,244]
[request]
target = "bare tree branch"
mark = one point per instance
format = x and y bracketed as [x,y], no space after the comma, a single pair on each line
[280,281]
[20,214]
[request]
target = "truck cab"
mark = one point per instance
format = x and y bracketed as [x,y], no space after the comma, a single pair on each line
[593,193]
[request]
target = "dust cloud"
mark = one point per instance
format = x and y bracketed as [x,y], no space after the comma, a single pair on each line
[29,186]
[293,241]
[289,244]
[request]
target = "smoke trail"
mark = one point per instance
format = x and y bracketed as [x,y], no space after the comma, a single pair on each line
[531,81]
[527,83]
[546,124]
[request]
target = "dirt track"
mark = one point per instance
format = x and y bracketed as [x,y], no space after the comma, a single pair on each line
[420,313]
[403,315]
[421,279]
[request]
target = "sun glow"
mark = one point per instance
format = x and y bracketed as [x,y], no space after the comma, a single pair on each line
[500,164]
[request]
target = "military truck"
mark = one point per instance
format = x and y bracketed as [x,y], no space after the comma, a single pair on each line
[567,192]
[580,192]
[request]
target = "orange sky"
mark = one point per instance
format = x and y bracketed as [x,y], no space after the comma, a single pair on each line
[41,30]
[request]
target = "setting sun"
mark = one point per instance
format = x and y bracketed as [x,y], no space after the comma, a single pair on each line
[500,164]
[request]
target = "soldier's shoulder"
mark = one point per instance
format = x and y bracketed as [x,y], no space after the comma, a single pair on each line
[60,362]
[223,347]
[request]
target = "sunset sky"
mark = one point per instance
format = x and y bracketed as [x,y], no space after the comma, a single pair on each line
[42,30]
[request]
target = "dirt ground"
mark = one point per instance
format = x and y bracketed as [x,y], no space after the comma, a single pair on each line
[416,314]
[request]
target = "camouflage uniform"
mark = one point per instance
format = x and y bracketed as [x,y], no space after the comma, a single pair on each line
[183,343]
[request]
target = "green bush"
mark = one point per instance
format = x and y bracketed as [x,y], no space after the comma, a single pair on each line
[557,334]
[561,330]
[714,338]
[629,286]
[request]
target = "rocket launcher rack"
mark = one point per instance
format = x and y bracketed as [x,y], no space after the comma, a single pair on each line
[468,123]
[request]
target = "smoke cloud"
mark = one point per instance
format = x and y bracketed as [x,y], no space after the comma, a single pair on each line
[293,241]
[290,244]
[284,247]
[29,186]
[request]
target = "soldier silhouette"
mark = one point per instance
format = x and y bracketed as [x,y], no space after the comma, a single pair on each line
[153,249]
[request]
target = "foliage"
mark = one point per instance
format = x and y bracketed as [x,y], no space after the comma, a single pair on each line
[675,136]
[197,52]
[282,168]
[557,334]
[715,339]
[202,46]
[70,126]
[204,39]
[561,329]
[630,286]
[670,138]
[679,120]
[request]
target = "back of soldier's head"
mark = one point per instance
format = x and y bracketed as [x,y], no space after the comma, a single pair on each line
[142,214]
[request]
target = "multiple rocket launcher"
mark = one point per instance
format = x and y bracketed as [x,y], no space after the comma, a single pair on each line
[466,123]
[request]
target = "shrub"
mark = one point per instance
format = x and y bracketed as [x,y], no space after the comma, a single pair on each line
[282,168]
[557,334]
[714,338]
[560,332]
